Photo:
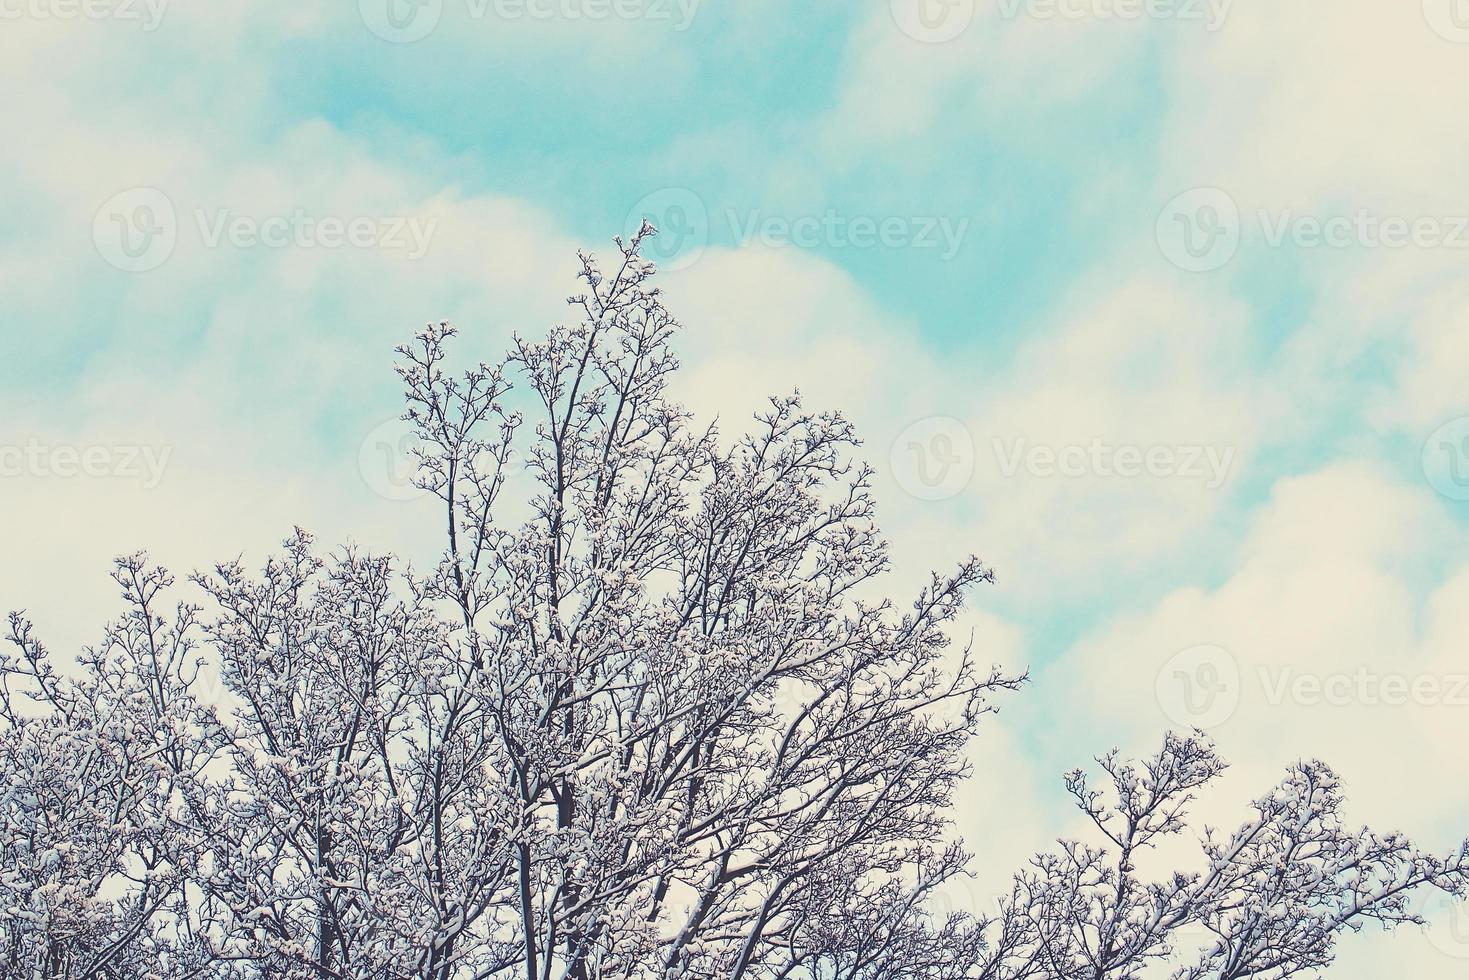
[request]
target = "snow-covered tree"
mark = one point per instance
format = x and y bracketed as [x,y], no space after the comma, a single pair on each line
[1272,898]
[93,870]
[656,724]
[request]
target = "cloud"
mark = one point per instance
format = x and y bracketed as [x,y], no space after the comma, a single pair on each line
[254,366]
[1270,108]
[1136,368]
[909,76]
[1319,646]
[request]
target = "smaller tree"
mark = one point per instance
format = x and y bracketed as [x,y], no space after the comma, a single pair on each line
[1275,895]
[93,871]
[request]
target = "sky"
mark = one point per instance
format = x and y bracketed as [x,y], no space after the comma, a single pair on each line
[1158,306]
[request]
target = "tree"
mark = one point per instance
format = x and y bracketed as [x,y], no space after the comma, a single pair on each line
[665,726]
[1274,896]
[91,866]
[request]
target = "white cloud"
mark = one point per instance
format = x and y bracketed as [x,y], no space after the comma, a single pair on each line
[1321,620]
[1002,64]
[1300,105]
[1134,367]
[257,369]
